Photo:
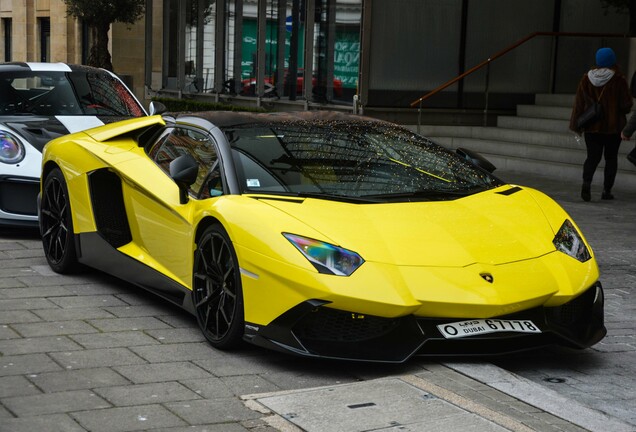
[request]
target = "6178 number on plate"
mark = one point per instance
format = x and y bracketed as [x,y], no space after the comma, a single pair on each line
[482,326]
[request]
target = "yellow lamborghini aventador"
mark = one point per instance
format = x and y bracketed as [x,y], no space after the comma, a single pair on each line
[320,234]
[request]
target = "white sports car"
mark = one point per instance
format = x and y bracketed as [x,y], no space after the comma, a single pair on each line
[42,101]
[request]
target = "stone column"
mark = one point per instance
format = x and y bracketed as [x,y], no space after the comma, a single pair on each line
[20,33]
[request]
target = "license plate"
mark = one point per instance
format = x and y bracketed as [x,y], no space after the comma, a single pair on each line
[482,326]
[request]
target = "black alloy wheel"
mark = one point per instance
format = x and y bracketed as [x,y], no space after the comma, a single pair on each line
[217,293]
[56,224]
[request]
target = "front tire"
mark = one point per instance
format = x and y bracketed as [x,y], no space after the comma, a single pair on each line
[217,292]
[56,224]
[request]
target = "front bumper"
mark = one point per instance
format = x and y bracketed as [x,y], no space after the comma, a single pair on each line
[313,330]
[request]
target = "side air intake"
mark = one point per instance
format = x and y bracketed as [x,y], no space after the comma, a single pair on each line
[107,200]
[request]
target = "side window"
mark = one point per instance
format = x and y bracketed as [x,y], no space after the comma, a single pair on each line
[180,141]
[213,185]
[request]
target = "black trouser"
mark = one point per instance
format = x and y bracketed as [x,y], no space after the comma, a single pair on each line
[597,144]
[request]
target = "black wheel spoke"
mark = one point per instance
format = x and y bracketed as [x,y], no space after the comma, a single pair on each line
[47,213]
[223,314]
[230,294]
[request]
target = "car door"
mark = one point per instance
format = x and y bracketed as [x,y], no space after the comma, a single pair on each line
[162,226]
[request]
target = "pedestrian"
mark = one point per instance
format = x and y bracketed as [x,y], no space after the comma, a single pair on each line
[606,86]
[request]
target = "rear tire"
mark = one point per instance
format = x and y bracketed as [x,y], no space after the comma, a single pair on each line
[56,224]
[217,292]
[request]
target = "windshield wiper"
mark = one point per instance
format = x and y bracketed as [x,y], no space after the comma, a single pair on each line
[323,196]
[336,197]
[426,194]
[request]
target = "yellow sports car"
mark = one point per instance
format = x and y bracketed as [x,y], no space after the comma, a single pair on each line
[320,234]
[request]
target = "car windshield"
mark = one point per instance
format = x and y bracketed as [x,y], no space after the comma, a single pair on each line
[65,93]
[356,161]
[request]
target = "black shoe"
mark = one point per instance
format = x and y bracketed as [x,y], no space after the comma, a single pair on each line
[586,193]
[631,158]
[607,195]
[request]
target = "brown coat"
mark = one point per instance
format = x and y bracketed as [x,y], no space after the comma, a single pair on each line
[616,101]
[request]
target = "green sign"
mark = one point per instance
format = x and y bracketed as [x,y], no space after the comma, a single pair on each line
[346,61]
[346,52]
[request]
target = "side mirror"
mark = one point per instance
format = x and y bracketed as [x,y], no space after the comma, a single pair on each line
[184,171]
[476,159]
[156,108]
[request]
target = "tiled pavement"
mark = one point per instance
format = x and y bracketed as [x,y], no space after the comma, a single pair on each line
[89,352]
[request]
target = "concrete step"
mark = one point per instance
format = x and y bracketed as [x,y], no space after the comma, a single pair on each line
[560,100]
[514,149]
[534,124]
[495,134]
[547,112]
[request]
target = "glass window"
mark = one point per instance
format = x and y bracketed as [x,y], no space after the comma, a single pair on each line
[45,39]
[181,141]
[6,31]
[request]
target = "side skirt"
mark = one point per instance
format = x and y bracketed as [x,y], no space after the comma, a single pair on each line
[94,251]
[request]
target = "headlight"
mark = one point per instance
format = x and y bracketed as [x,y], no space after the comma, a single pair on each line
[11,149]
[569,241]
[327,258]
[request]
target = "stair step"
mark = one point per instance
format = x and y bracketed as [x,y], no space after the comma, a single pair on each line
[560,100]
[547,112]
[534,124]
[515,149]
[496,134]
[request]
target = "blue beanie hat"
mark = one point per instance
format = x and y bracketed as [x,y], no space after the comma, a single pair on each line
[605,57]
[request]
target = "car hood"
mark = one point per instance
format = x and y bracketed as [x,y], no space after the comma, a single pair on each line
[492,227]
[38,130]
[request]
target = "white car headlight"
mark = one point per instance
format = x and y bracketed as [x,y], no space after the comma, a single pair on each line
[569,241]
[327,258]
[11,149]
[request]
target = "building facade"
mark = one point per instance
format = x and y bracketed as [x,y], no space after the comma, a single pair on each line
[344,54]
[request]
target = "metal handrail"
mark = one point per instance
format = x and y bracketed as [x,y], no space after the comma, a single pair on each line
[496,56]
